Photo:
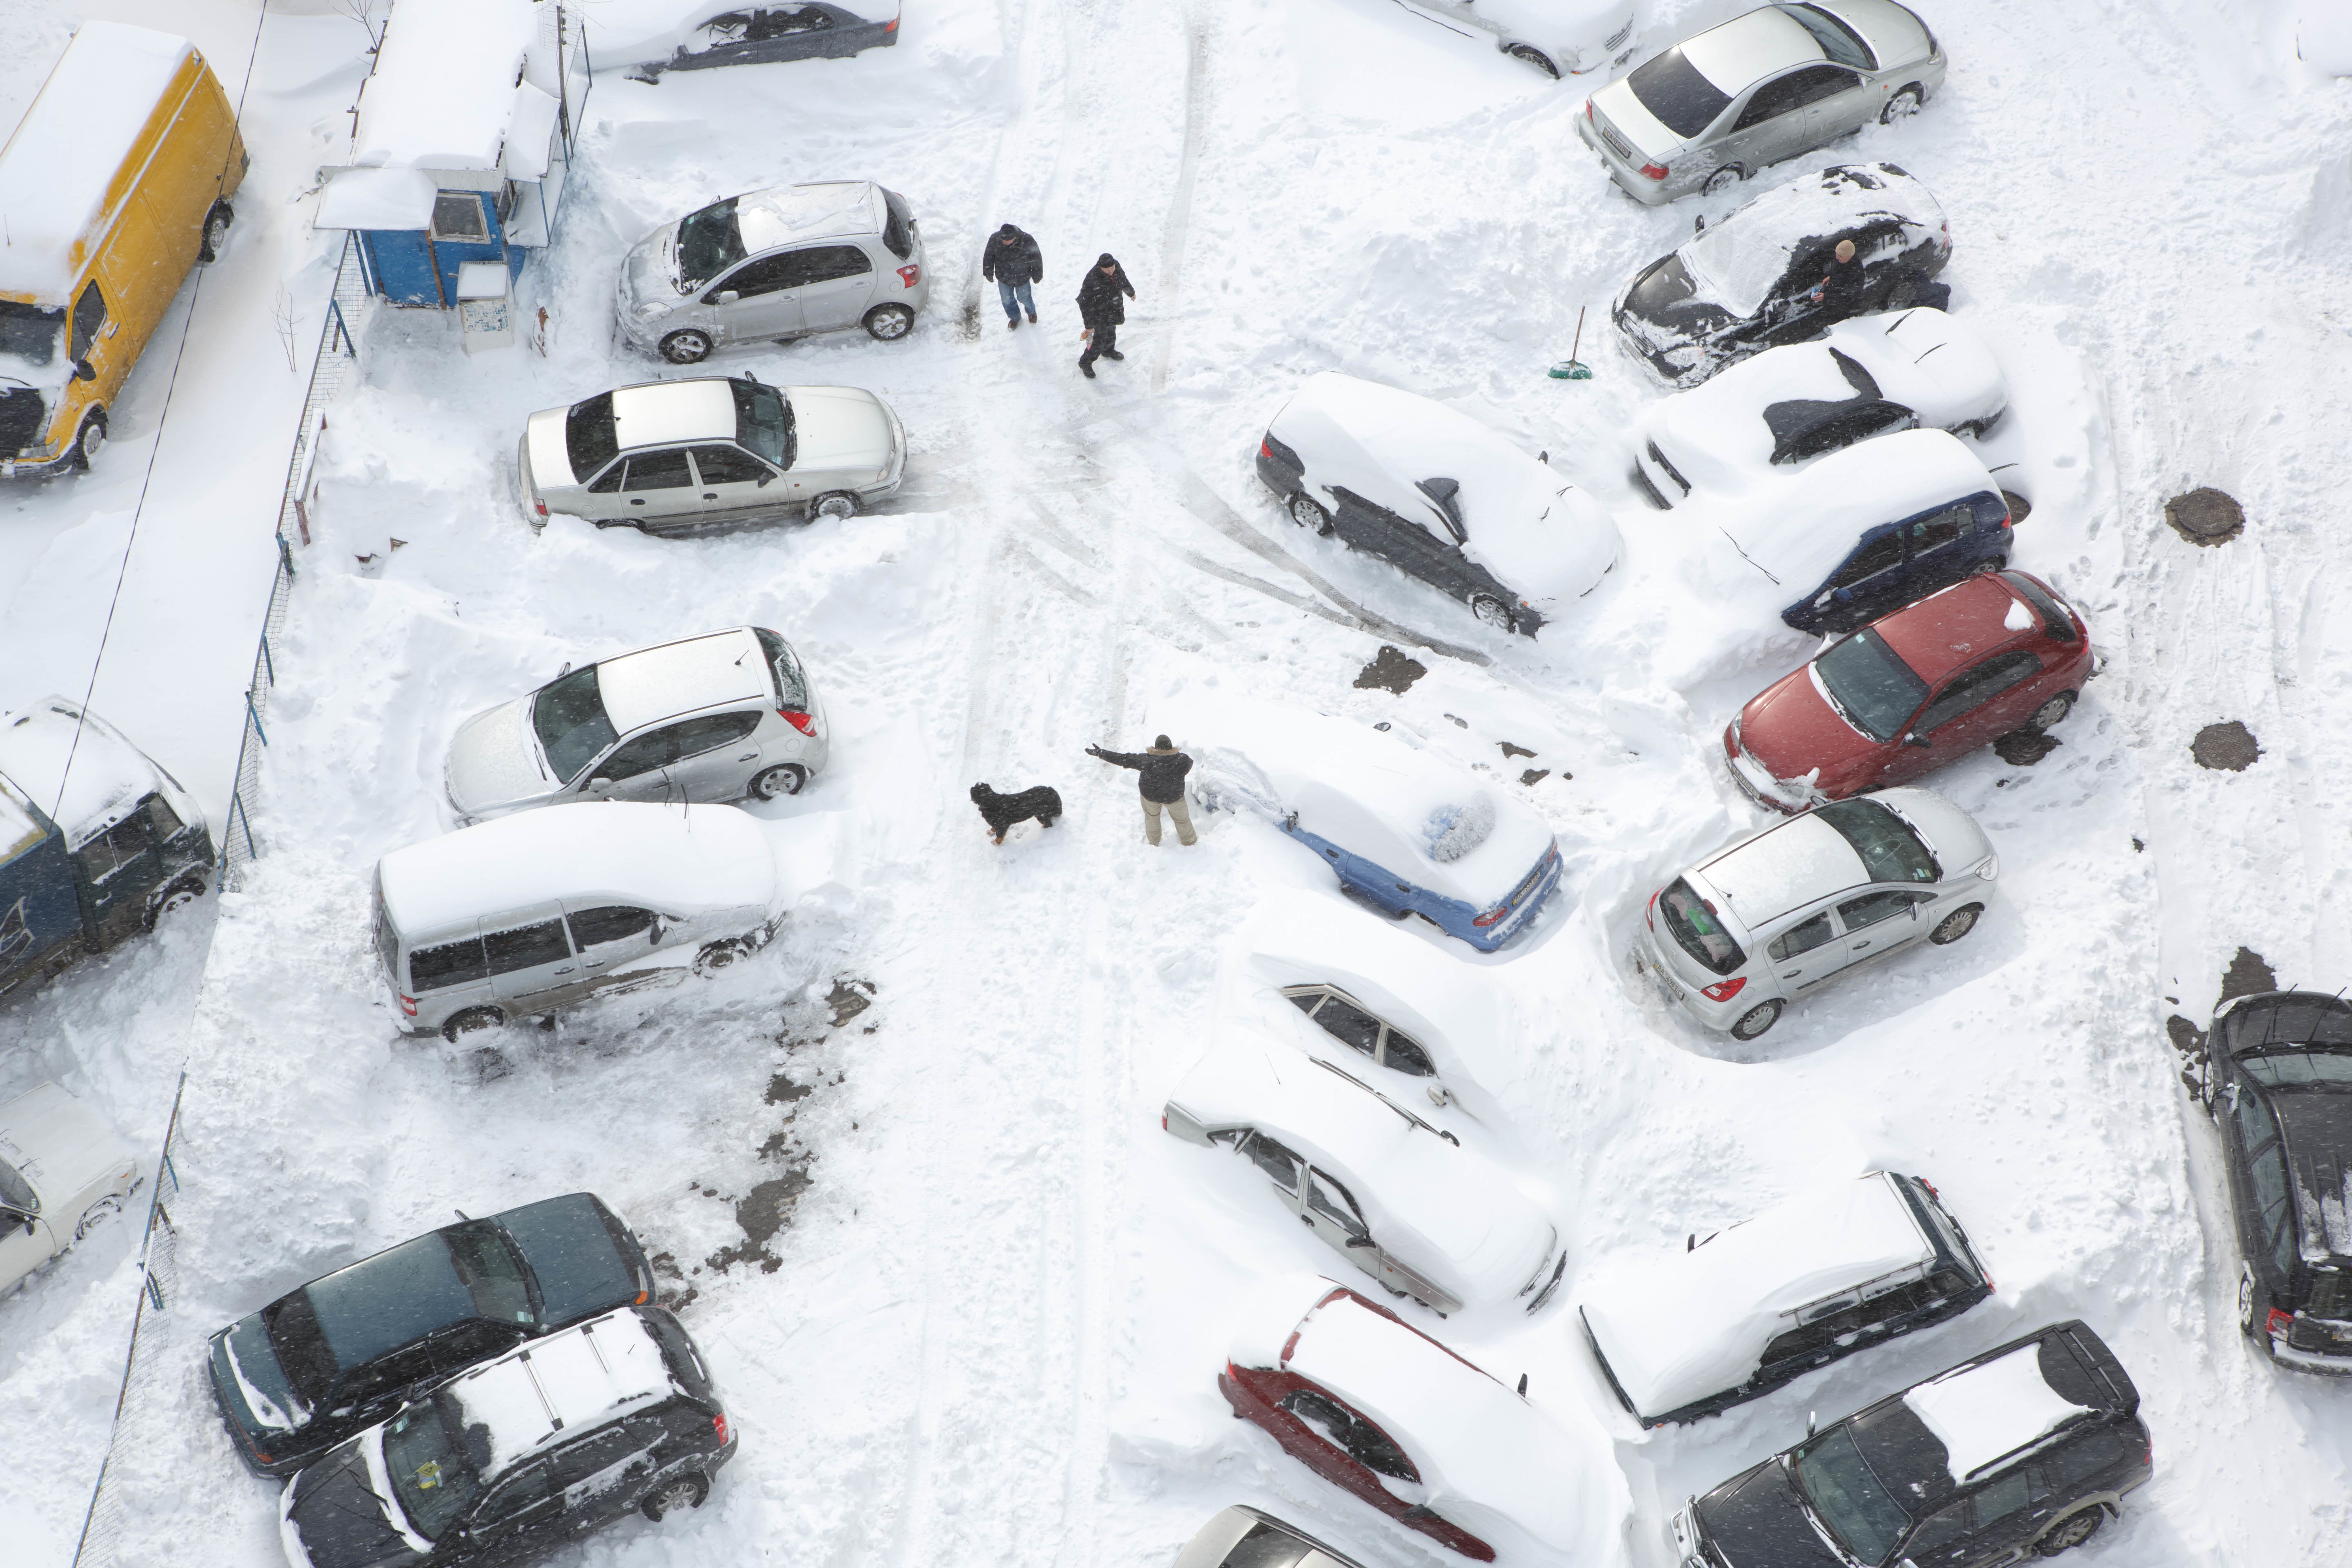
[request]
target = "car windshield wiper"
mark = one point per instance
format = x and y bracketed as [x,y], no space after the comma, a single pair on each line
[1384,1099]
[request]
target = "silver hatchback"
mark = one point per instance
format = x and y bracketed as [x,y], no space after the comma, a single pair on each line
[1714,109]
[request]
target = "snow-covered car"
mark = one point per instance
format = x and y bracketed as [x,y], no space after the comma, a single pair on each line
[1763,921]
[1781,81]
[1559,37]
[1438,496]
[1398,1197]
[1908,693]
[2278,1080]
[1748,284]
[775,264]
[63,1172]
[1856,534]
[509,1461]
[1404,831]
[531,912]
[656,36]
[1730,1317]
[726,716]
[671,456]
[1390,1415]
[319,1364]
[1866,376]
[1339,983]
[2323,36]
[2021,1452]
[1242,1537]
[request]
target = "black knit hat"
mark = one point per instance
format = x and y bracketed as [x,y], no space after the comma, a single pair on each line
[1008,229]
[1106,259]
[1163,743]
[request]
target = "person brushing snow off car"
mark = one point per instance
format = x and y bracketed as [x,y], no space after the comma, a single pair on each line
[1101,308]
[1012,261]
[1163,768]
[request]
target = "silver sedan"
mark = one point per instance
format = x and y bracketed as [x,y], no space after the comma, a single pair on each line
[1777,81]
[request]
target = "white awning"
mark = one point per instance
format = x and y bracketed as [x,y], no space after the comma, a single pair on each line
[530,133]
[378,199]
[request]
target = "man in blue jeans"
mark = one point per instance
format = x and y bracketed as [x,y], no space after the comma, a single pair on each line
[1012,260]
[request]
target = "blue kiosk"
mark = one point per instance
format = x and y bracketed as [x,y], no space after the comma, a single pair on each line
[460,144]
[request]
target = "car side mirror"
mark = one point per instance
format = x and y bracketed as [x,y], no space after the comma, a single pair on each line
[84,371]
[1843,595]
[766,478]
[1359,1241]
[1921,741]
[1826,601]
[726,297]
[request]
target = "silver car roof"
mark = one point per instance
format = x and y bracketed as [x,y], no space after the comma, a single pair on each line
[794,214]
[656,683]
[663,413]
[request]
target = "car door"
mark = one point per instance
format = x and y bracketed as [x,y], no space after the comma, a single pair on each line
[370,1390]
[1281,1166]
[733,485]
[119,867]
[1834,99]
[757,299]
[1342,1020]
[1936,547]
[1348,1450]
[1879,922]
[636,769]
[1770,127]
[599,1477]
[531,959]
[520,1518]
[449,977]
[716,755]
[657,489]
[753,34]
[1331,1212]
[608,938]
[1981,701]
[836,282]
[1807,952]
[2006,1514]
[25,1243]
[1870,579]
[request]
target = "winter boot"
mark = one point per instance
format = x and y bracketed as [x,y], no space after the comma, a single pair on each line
[1086,369]
[1113,353]
[1011,323]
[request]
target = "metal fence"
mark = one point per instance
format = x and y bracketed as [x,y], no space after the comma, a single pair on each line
[348,306]
[156,1361]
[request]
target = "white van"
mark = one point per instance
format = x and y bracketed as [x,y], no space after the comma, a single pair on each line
[520,916]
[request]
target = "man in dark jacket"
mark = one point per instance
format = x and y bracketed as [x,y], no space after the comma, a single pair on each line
[1012,260]
[1101,308]
[1162,770]
[1840,291]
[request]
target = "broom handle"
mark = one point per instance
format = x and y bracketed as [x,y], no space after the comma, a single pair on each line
[1580,333]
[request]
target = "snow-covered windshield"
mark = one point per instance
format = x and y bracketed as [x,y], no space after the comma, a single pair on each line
[763,422]
[28,332]
[15,1192]
[1697,930]
[1858,1510]
[1736,264]
[1890,851]
[1871,685]
[568,714]
[708,244]
[429,1469]
[590,438]
[1682,100]
[1454,830]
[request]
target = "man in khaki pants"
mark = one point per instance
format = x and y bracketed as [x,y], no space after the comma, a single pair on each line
[1162,770]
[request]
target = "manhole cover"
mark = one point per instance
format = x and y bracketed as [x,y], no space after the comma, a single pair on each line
[2023,747]
[2229,748]
[2205,517]
[2020,508]
[1392,670]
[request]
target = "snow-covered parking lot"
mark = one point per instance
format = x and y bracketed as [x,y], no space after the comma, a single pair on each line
[902,1173]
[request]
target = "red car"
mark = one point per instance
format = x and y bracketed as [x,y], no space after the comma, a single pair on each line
[1912,691]
[1382,1410]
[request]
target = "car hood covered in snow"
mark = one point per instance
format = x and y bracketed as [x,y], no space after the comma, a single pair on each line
[841,427]
[1735,263]
[495,763]
[59,1145]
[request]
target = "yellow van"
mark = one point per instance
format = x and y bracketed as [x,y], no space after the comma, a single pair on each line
[116,182]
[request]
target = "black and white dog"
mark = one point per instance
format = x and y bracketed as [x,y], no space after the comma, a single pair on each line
[1002,811]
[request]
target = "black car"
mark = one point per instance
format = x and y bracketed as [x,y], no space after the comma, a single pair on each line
[1763,276]
[2022,1450]
[739,35]
[316,1365]
[2279,1082]
[508,1461]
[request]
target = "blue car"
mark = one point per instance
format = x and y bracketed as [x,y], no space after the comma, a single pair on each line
[1403,831]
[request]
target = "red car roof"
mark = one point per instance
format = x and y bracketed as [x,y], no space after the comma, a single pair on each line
[1958,626]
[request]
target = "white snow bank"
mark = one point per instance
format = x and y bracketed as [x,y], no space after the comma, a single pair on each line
[59,166]
[442,95]
[2323,36]
[377,198]
[1980,1412]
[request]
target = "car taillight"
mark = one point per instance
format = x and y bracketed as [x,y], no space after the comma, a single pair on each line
[1265,447]
[797,719]
[641,1298]
[1164,1121]
[1654,171]
[538,506]
[1722,990]
[1650,911]
[2280,1323]
[911,274]
[719,1424]
[1587,109]
[891,25]
[1930,1186]
[1491,916]
[407,1004]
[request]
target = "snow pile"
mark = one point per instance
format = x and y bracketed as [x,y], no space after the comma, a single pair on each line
[445,92]
[1984,1412]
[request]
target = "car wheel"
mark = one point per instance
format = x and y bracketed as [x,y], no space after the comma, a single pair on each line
[682,1491]
[89,439]
[689,346]
[774,784]
[1309,513]
[838,505]
[1988,565]
[469,1021]
[888,323]
[1536,58]
[1722,180]
[216,224]
[2253,1310]
[97,1215]
[179,896]
[1955,925]
[2071,1531]
[2052,712]
[1757,1019]
[718,955]
[1492,611]
[1902,106]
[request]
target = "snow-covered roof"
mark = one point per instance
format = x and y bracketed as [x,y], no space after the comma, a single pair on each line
[446,86]
[1523,520]
[633,32]
[1799,533]
[1788,864]
[1444,1210]
[1715,434]
[57,171]
[1980,1412]
[1749,47]
[109,776]
[19,830]
[1371,794]
[584,1375]
[657,412]
[787,215]
[676,860]
[1681,1326]
[1738,261]
[392,199]
[680,677]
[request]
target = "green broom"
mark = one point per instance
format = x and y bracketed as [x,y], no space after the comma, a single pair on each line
[1572,368]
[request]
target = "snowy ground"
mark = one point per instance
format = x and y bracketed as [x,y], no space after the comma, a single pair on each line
[966,1299]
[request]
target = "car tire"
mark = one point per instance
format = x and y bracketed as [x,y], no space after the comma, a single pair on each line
[836,504]
[1536,58]
[215,238]
[1988,565]
[679,1491]
[718,955]
[888,323]
[2253,1310]
[1955,925]
[774,784]
[1722,180]
[1492,611]
[97,1215]
[470,1020]
[1309,513]
[2071,1531]
[1757,1019]
[2052,711]
[179,896]
[90,440]
[688,346]
[1902,106]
